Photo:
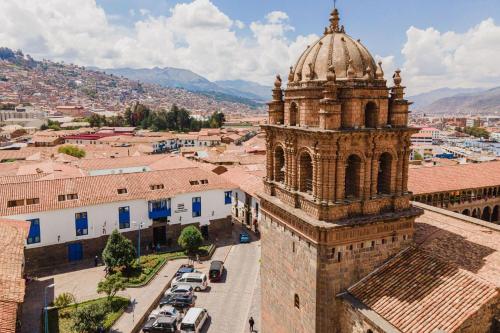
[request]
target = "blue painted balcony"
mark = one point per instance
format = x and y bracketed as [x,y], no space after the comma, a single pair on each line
[159,209]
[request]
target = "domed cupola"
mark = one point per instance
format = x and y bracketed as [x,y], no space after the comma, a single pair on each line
[350,59]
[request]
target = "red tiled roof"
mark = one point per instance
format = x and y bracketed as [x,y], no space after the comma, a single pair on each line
[418,293]
[454,177]
[12,238]
[451,274]
[94,190]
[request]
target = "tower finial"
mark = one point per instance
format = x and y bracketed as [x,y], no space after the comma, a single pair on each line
[335,18]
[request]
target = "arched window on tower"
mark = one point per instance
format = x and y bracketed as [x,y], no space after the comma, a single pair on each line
[305,173]
[353,177]
[294,114]
[279,164]
[384,174]
[371,115]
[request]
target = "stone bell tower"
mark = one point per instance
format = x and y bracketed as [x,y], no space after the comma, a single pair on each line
[336,204]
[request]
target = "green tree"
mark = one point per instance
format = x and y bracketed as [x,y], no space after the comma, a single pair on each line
[118,252]
[110,286]
[417,156]
[88,319]
[217,120]
[190,239]
[72,151]
[96,120]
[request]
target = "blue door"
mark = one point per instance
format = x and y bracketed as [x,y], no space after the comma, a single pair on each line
[75,252]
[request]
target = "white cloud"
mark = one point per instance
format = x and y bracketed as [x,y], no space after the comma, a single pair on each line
[144,11]
[277,17]
[434,59]
[195,35]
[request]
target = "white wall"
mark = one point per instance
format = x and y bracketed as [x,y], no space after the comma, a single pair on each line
[59,226]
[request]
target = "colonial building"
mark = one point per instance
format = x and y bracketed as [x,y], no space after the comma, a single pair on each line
[469,189]
[71,218]
[336,206]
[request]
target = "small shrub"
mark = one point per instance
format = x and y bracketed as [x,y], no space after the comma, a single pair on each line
[89,318]
[110,286]
[64,299]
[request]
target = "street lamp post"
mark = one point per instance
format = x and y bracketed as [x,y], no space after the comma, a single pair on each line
[139,242]
[45,307]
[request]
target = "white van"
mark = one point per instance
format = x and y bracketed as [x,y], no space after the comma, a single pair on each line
[194,320]
[196,280]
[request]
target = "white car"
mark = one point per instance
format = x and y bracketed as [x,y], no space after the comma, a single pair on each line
[183,289]
[196,280]
[194,320]
[165,311]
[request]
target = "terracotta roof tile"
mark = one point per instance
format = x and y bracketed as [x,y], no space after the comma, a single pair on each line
[12,238]
[454,177]
[453,271]
[93,190]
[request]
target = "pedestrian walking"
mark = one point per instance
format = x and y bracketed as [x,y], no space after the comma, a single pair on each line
[96,261]
[251,322]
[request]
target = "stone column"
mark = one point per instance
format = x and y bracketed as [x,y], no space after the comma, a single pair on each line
[374,175]
[399,174]
[269,161]
[340,179]
[406,162]
[368,176]
[293,169]
[317,172]
[330,181]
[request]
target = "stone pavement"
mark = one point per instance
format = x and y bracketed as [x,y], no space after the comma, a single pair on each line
[81,283]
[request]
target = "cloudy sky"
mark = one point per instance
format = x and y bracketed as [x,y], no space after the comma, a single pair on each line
[437,43]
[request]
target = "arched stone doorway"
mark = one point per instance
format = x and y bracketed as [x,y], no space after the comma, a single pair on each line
[494,214]
[486,216]
[476,213]
[305,172]
[466,212]
[279,164]
[353,177]
[384,174]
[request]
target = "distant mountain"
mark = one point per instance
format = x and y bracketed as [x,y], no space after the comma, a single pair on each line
[480,103]
[422,100]
[234,91]
[247,88]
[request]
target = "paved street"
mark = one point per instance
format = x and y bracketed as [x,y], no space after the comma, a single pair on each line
[231,302]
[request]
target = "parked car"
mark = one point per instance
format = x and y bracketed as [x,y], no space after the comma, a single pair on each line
[165,311]
[244,237]
[194,320]
[184,269]
[179,302]
[180,289]
[196,280]
[216,270]
[161,325]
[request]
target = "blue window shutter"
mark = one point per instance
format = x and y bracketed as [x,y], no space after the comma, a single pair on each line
[196,207]
[124,217]
[34,233]
[228,197]
[81,224]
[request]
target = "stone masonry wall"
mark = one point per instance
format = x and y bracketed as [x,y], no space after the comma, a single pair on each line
[337,273]
[288,267]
